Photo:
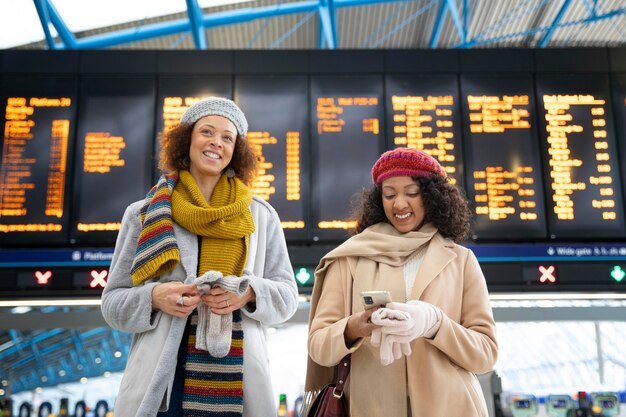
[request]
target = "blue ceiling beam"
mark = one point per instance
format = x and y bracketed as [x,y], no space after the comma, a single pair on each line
[557,20]
[456,19]
[44,17]
[210,20]
[328,28]
[183,25]
[20,342]
[405,22]
[294,28]
[64,33]
[197,28]
[434,38]
[597,18]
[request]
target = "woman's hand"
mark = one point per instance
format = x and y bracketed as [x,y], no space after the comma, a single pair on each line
[175,298]
[221,301]
[359,325]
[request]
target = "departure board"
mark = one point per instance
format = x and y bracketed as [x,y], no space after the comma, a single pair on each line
[584,195]
[346,116]
[278,134]
[423,113]
[503,163]
[36,158]
[114,154]
[177,94]
[618,90]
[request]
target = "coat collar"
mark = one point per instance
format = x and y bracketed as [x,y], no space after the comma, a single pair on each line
[439,254]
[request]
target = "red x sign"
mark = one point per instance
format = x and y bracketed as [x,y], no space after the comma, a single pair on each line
[98,278]
[547,274]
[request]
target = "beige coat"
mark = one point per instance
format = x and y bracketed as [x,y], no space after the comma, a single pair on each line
[439,376]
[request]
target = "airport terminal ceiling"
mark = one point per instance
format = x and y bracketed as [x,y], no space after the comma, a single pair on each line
[83,348]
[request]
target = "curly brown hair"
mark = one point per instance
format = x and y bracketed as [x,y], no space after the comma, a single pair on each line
[445,205]
[174,156]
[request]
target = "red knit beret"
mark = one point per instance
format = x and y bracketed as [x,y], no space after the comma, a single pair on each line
[408,162]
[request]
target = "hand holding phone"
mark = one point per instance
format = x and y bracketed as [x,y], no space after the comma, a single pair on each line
[372,299]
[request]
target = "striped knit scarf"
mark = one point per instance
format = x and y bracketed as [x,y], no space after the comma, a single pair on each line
[157,251]
[213,386]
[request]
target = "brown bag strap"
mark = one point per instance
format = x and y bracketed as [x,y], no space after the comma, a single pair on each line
[341,374]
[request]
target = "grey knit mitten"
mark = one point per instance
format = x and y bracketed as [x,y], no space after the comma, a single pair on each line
[214,331]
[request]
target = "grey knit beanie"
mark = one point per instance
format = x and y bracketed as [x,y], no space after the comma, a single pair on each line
[219,107]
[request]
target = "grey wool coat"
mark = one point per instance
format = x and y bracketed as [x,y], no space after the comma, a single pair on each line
[149,373]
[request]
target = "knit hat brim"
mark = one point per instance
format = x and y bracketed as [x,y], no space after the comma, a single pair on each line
[408,162]
[216,106]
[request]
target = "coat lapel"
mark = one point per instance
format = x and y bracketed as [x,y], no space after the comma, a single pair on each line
[188,248]
[438,255]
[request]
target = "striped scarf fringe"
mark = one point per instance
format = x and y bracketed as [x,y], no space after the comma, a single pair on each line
[215,390]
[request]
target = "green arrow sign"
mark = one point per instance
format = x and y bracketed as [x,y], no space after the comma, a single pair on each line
[618,273]
[303,276]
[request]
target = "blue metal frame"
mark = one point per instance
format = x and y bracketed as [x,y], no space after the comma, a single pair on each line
[609,15]
[197,23]
[557,20]
[197,29]
[64,361]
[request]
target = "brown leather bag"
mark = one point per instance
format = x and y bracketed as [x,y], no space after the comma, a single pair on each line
[331,402]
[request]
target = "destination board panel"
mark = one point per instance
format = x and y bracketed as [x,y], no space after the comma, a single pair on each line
[423,113]
[618,90]
[36,158]
[114,154]
[504,176]
[278,134]
[584,194]
[347,138]
[176,94]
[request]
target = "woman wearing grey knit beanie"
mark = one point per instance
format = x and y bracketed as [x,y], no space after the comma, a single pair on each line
[200,267]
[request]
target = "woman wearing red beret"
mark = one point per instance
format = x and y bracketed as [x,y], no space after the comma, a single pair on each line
[419,355]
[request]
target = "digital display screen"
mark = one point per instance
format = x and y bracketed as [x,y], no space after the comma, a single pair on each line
[278,135]
[423,113]
[114,154]
[176,94]
[522,404]
[618,90]
[609,404]
[36,158]
[559,403]
[347,115]
[503,162]
[583,190]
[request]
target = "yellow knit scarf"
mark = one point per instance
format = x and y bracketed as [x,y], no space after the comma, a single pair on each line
[225,224]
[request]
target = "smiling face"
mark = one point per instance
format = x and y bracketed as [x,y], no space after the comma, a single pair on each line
[403,203]
[212,145]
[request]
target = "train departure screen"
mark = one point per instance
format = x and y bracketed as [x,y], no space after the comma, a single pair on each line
[503,162]
[423,113]
[579,150]
[278,134]
[36,156]
[176,94]
[347,115]
[114,154]
[618,83]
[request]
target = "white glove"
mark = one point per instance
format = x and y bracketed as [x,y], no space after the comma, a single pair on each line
[426,321]
[389,350]
[396,319]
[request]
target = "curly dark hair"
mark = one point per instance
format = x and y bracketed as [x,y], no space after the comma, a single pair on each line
[445,205]
[174,156]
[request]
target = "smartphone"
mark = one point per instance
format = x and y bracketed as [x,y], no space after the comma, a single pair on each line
[372,299]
